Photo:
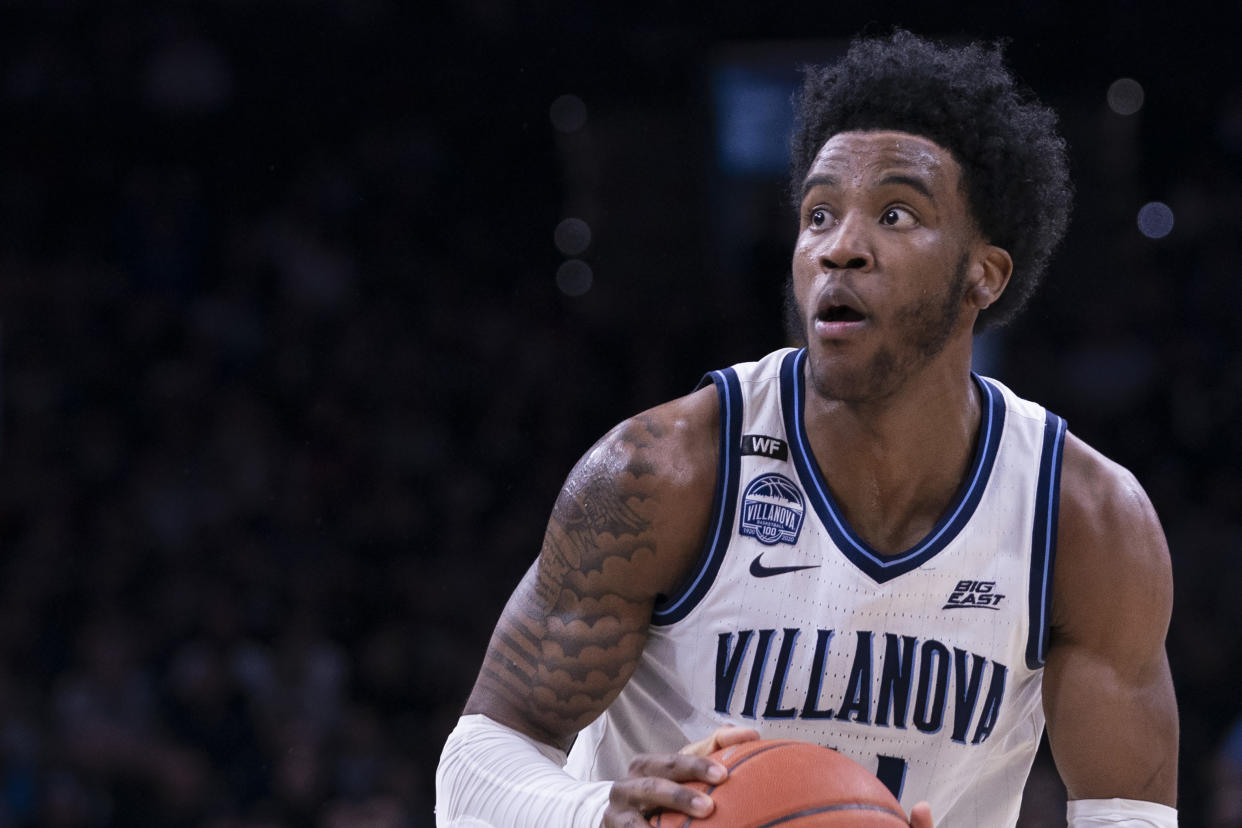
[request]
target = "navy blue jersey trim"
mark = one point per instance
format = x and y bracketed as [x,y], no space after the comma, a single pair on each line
[1044,540]
[672,609]
[879,567]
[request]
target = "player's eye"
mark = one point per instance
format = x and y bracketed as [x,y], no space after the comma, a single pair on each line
[819,217]
[898,217]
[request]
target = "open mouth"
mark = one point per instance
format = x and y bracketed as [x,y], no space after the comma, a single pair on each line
[839,313]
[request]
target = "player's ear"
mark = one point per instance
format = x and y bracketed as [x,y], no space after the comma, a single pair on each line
[989,275]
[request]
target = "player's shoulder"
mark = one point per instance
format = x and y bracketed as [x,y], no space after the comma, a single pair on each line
[1109,536]
[672,445]
[1100,497]
[652,476]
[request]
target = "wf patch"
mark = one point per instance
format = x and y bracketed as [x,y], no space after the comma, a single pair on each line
[773,447]
[974,595]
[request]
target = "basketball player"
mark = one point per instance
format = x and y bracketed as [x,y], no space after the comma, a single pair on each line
[858,543]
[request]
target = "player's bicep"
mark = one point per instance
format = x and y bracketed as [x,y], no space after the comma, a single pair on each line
[571,634]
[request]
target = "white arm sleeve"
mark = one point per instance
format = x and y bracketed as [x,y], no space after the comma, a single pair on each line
[491,775]
[1120,813]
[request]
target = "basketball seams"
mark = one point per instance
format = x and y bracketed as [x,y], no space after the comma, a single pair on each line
[823,809]
[764,749]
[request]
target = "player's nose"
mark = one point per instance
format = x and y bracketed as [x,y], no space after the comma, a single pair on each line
[847,247]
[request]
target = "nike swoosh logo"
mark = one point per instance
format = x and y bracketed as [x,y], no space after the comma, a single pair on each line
[760,571]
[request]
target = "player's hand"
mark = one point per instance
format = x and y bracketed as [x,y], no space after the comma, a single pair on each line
[723,737]
[920,816]
[654,781]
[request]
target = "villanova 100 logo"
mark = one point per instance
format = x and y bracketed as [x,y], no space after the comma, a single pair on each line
[772,510]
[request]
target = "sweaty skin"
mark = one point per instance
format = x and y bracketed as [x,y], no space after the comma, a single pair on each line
[885,233]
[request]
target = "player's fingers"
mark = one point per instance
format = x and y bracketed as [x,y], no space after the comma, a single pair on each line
[680,767]
[920,816]
[720,738]
[734,735]
[702,747]
[642,796]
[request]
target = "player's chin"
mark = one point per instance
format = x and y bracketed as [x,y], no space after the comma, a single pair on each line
[838,376]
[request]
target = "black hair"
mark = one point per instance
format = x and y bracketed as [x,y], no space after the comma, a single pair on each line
[1015,170]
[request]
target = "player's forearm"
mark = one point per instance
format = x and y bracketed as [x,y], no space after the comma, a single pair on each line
[491,775]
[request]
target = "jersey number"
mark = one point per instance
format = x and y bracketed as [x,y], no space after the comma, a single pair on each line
[892,772]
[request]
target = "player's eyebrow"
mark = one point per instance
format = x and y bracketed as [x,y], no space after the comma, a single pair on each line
[913,182]
[813,181]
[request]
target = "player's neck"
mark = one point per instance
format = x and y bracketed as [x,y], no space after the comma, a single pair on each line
[895,465]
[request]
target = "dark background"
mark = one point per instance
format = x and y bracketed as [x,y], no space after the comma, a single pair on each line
[288,382]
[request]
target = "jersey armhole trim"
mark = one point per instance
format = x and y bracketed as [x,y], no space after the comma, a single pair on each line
[673,608]
[1044,540]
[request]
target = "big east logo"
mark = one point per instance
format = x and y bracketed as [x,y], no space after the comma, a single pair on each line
[974,595]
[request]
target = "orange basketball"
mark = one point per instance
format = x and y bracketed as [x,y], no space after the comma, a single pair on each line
[793,785]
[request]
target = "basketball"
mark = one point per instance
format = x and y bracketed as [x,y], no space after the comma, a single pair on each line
[794,785]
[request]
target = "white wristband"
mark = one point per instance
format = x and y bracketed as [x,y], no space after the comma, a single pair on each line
[492,775]
[1120,813]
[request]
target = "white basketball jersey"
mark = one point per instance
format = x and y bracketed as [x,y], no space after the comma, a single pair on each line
[924,666]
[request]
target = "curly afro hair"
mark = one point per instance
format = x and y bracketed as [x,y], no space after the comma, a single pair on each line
[1014,165]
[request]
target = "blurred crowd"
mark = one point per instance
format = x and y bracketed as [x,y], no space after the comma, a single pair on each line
[287,385]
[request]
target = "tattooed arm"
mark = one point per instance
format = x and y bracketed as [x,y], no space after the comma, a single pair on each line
[627,527]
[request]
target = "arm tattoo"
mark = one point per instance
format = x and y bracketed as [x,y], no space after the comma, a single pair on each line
[571,636]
